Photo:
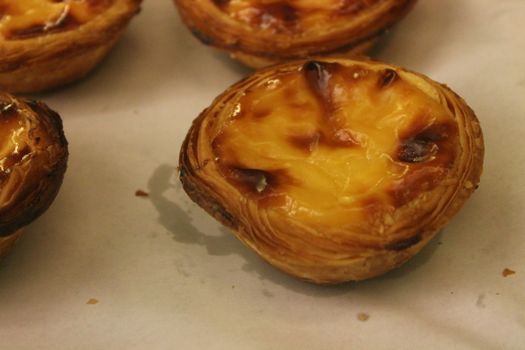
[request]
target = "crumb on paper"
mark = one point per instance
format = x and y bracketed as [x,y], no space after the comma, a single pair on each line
[363,317]
[92,301]
[481,301]
[141,193]
[507,272]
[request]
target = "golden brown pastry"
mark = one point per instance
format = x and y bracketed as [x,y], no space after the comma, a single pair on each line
[262,32]
[48,43]
[334,169]
[33,159]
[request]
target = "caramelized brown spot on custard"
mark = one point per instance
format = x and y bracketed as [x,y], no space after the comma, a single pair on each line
[388,78]
[425,144]
[335,143]
[30,18]
[306,142]
[262,185]
[253,180]
[318,76]
[417,149]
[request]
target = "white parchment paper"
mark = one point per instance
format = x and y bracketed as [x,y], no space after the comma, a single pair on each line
[161,274]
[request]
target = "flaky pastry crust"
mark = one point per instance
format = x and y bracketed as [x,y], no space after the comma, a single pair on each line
[51,54]
[334,169]
[33,160]
[259,33]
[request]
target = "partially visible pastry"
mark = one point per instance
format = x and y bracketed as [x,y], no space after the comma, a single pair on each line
[33,160]
[7,243]
[263,32]
[49,43]
[334,169]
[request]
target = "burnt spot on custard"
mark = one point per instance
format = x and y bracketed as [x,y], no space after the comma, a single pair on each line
[252,180]
[430,151]
[416,150]
[318,76]
[427,144]
[387,78]
[306,142]
[267,187]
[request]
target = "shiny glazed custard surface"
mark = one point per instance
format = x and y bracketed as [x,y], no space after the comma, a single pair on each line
[22,19]
[334,141]
[14,137]
[290,16]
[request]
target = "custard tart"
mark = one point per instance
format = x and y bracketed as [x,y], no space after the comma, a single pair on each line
[33,159]
[49,43]
[263,32]
[334,169]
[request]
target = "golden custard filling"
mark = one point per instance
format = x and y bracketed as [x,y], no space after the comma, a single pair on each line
[289,16]
[335,142]
[23,19]
[14,136]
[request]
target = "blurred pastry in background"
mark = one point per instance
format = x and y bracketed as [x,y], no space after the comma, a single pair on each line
[47,43]
[263,32]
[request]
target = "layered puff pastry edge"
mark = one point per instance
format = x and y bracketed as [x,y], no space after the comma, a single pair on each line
[333,169]
[33,160]
[259,33]
[46,43]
